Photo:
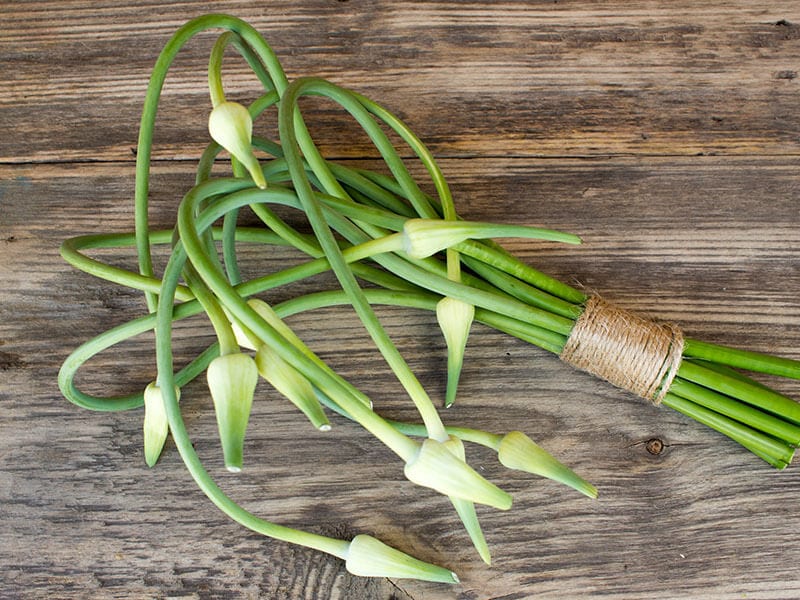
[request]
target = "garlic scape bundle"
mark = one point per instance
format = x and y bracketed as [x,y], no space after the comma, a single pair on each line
[388,243]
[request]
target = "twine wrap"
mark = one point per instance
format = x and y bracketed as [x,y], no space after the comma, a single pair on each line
[631,352]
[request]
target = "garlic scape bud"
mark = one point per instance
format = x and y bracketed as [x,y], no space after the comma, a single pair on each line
[247,339]
[369,557]
[244,337]
[231,126]
[292,384]
[232,380]
[156,425]
[518,451]
[425,237]
[455,320]
[266,312]
[436,467]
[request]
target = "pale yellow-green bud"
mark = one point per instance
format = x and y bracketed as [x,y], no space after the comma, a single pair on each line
[425,237]
[291,384]
[244,337]
[456,447]
[156,425]
[369,557]
[436,467]
[266,312]
[455,320]
[231,126]
[232,380]
[518,451]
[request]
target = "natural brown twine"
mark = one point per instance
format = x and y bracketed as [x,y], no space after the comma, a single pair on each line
[634,353]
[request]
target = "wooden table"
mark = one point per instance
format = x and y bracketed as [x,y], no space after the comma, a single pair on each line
[666,134]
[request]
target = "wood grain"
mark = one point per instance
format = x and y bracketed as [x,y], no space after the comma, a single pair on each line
[515,79]
[666,135]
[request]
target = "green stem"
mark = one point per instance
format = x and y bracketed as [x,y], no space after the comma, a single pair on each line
[776,453]
[215,87]
[738,411]
[765,399]
[190,230]
[217,317]
[145,142]
[177,426]
[290,124]
[743,359]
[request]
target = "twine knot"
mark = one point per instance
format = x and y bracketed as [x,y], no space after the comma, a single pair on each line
[634,353]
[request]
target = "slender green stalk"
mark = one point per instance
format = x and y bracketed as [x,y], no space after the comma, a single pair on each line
[144,145]
[773,451]
[290,124]
[737,411]
[192,242]
[215,87]
[743,359]
[756,395]
[182,441]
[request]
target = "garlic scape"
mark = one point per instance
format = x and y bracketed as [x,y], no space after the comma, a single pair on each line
[232,380]
[455,320]
[231,126]
[155,426]
[292,385]
[425,237]
[517,451]
[436,467]
[369,557]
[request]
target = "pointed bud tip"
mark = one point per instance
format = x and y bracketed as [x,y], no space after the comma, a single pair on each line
[232,380]
[517,451]
[231,126]
[437,467]
[155,427]
[370,557]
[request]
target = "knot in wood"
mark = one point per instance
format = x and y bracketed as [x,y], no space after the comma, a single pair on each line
[634,353]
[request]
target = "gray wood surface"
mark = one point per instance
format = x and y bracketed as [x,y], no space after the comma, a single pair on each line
[666,134]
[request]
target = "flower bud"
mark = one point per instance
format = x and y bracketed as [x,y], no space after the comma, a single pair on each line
[455,320]
[231,126]
[436,467]
[369,557]
[266,312]
[232,380]
[425,237]
[518,451]
[244,337]
[292,384]
[156,425]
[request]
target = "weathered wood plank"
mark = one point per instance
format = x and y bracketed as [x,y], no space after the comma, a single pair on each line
[709,242]
[474,79]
